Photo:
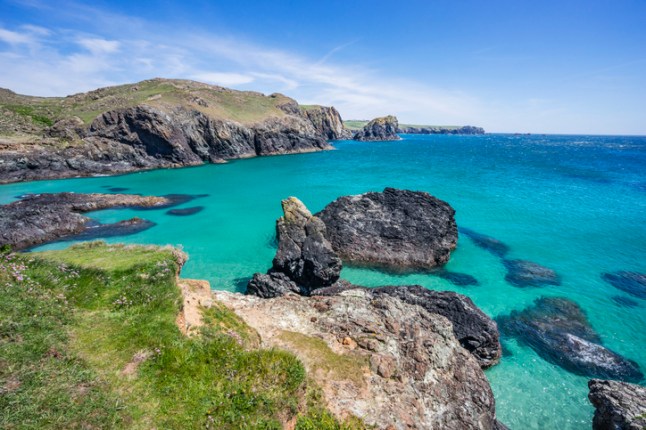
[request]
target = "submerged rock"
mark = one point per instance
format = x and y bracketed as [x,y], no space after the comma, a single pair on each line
[122,228]
[383,128]
[41,218]
[619,405]
[388,362]
[395,229]
[475,331]
[488,243]
[558,330]
[185,211]
[631,282]
[625,302]
[456,278]
[523,273]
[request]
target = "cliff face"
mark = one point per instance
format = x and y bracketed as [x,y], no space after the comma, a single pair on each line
[185,124]
[383,128]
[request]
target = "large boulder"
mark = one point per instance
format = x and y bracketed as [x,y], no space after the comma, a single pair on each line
[619,405]
[383,128]
[558,330]
[394,229]
[304,257]
[391,363]
[475,331]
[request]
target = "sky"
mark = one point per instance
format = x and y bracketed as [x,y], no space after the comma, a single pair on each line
[576,67]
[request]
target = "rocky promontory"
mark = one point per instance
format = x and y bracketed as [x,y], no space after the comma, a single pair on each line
[395,229]
[152,124]
[382,128]
[619,405]
[467,129]
[40,218]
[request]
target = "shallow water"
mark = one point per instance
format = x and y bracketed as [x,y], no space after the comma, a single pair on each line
[576,204]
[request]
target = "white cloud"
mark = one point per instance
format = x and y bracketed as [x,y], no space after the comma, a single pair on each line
[223,79]
[99,46]
[14,38]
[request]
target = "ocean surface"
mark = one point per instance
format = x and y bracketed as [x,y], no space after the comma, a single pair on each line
[576,204]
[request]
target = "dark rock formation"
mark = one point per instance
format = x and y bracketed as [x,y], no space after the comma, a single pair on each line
[558,330]
[181,132]
[523,273]
[456,278]
[619,406]
[185,211]
[493,245]
[467,129]
[304,255]
[41,218]
[396,229]
[383,128]
[475,331]
[122,228]
[388,362]
[272,284]
[117,189]
[631,282]
[624,302]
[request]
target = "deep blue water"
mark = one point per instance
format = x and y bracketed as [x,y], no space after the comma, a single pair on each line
[576,204]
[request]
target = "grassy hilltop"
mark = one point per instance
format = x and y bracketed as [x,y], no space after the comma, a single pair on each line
[88,339]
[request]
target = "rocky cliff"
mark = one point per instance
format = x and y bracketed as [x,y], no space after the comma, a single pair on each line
[467,129]
[383,128]
[152,124]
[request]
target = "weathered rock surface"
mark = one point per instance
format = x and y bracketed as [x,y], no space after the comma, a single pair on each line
[44,218]
[185,130]
[475,331]
[383,128]
[376,357]
[305,258]
[619,405]
[395,229]
[523,273]
[558,330]
[467,129]
[631,282]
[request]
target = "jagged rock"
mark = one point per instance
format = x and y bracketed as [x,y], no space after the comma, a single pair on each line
[475,331]
[523,273]
[619,405]
[390,363]
[326,120]
[41,218]
[493,245]
[68,129]
[631,282]
[383,128]
[558,330]
[304,254]
[270,285]
[396,229]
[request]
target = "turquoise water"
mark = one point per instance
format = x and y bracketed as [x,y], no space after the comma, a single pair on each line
[576,204]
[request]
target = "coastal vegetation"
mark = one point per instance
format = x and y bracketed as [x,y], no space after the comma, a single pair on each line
[88,339]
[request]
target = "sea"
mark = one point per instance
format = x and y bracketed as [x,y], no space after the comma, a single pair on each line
[574,204]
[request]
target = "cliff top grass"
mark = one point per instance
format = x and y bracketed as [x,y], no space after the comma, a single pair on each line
[88,340]
[20,114]
[359,124]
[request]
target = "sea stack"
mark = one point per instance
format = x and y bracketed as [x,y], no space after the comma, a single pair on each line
[382,128]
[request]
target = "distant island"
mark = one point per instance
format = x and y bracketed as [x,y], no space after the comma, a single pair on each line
[421,129]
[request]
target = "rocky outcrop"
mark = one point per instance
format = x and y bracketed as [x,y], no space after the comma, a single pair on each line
[633,283]
[395,229]
[390,363]
[383,128]
[41,218]
[467,129]
[475,331]
[155,134]
[558,330]
[305,259]
[619,406]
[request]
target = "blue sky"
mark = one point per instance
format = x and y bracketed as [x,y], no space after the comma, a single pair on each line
[509,66]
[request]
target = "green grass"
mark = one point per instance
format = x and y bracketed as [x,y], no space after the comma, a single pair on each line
[31,112]
[88,340]
[354,124]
